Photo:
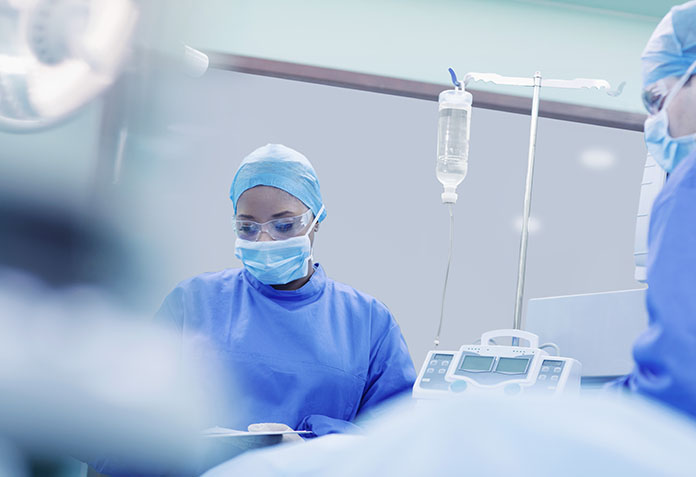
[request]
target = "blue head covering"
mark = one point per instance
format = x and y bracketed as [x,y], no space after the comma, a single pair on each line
[672,46]
[279,166]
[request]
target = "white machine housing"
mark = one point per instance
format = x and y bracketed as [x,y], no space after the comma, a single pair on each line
[492,368]
[654,178]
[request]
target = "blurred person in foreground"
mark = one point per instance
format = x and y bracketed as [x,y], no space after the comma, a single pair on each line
[81,375]
[665,352]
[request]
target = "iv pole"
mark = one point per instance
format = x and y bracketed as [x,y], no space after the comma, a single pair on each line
[536,82]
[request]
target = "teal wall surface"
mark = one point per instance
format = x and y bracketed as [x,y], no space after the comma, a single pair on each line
[420,39]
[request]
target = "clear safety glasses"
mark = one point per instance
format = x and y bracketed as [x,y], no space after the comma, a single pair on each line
[656,96]
[278,229]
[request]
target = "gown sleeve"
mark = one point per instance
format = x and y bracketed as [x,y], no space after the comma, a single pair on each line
[665,352]
[391,373]
[391,370]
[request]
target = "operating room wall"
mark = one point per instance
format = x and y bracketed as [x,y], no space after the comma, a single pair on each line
[386,232]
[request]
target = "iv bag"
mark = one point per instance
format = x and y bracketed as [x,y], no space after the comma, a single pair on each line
[453,140]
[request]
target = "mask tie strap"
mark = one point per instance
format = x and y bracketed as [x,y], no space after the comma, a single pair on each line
[316,219]
[314,222]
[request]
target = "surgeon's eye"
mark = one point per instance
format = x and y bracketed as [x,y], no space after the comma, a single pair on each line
[247,228]
[285,226]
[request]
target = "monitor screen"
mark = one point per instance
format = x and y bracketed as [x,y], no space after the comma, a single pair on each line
[476,363]
[512,365]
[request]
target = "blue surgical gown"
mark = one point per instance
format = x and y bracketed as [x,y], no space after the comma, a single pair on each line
[665,353]
[312,358]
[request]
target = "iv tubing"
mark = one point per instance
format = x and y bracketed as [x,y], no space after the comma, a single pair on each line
[449,262]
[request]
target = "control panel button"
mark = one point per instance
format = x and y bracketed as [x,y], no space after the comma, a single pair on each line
[430,370]
[445,363]
[542,377]
[433,362]
[554,378]
[557,370]
[544,369]
[441,371]
[425,380]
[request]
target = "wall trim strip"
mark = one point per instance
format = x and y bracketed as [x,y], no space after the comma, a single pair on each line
[422,90]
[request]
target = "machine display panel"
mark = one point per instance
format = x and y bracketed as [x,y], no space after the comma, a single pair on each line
[512,365]
[442,356]
[476,363]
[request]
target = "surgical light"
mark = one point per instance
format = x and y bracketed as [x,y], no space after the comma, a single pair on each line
[57,55]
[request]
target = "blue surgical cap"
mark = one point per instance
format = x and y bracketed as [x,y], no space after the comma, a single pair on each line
[279,166]
[672,46]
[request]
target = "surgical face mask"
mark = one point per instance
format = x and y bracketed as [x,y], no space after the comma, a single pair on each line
[667,151]
[277,262]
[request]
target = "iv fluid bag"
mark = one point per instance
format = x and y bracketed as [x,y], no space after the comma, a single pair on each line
[453,146]
[453,138]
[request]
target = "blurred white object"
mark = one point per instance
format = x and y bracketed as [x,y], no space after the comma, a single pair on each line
[288,433]
[264,428]
[62,54]
[79,377]
[195,62]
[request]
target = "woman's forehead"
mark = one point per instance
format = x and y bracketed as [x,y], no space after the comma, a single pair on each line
[268,200]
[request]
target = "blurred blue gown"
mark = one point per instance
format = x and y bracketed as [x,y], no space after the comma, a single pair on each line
[665,353]
[312,358]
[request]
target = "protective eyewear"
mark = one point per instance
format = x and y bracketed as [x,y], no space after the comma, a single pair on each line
[654,96]
[657,95]
[277,229]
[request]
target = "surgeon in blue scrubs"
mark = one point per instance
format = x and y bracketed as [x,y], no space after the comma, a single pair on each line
[299,348]
[665,354]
